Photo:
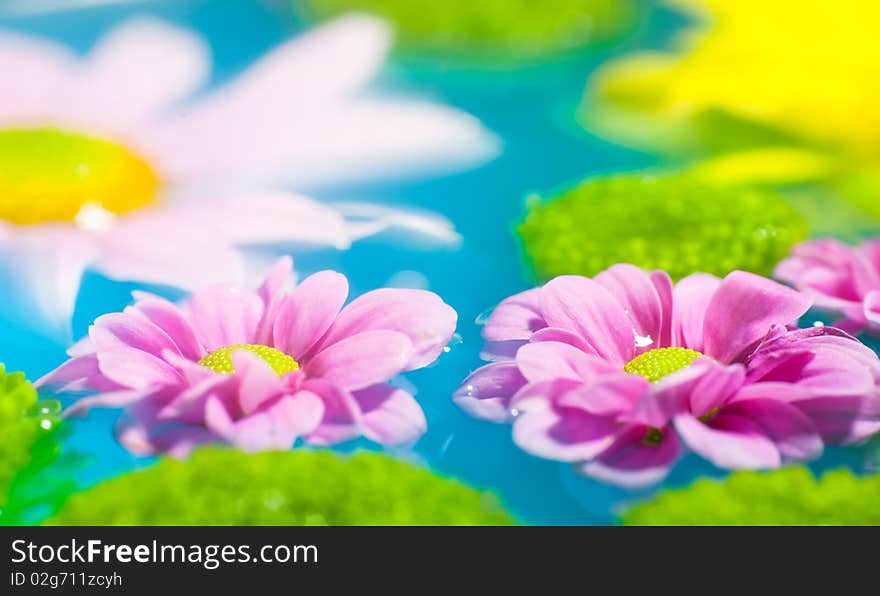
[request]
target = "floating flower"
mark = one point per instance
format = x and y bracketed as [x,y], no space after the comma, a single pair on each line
[260,369]
[609,373]
[499,29]
[841,279]
[674,222]
[103,164]
[226,487]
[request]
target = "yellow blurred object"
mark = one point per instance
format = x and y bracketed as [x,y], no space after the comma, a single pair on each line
[807,67]
[51,175]
[771,165]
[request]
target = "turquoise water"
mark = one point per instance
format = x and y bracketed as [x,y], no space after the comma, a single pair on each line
[532,110]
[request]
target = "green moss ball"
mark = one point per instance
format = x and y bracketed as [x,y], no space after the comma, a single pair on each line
[23,422]
[28,445]
[226,487]
[790,496]
[510,27]
[675,223]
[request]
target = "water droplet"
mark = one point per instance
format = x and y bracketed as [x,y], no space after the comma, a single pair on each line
[483,317]
[818,324]
[514,412]
[46,424]
[454,341]
[642,341]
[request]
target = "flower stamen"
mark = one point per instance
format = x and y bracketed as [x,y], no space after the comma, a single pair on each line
[220,360]
[660,362]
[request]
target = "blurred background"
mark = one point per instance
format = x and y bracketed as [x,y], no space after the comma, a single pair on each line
[572,89]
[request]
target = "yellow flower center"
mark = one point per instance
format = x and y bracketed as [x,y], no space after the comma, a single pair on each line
[221,360]
[51,175]
[660,362]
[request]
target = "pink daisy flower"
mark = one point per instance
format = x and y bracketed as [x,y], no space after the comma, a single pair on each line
[260,369]
[107,160]
[614,373]
[841,279]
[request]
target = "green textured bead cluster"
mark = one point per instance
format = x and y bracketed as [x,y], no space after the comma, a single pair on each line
[502,27]
[789,496]
[227,487]
[674,223]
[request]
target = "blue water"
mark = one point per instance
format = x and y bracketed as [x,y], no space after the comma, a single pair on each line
[532,109]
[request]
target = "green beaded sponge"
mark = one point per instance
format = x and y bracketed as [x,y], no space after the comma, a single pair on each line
[218,486]
[789,496]
[520,28]
[28,444]
[675,222]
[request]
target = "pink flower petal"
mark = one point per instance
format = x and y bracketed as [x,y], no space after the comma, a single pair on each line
[549,360]
[729,441]
[872,309]
[742,311]
[136,369]
[559,433]
[691,298]
[264,217]
[78,373]
[35,71]
[843,419]
[515,318]
[170,319]
[140,69]
[258,383]
[155,246]
[391,416]
[421,316]
[189,404]
[225,316]
[273,284]
[631,463]
[791,430]
[342,419]
[584,307]
[279,425]
[362,360]
[46,264]
[306,314]
[696,389]
[823,359]
[144,436]
[634,289]
[129,329]
[717,384]
[108,399]
[487,391]
[610,395]
[664,288]
[286,120]
[561,335]
[218,419]
[272,293]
